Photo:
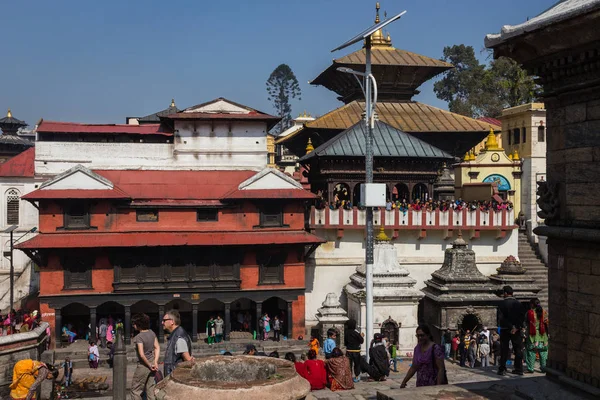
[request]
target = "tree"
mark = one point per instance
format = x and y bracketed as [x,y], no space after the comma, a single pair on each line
[282,86]
[476,90]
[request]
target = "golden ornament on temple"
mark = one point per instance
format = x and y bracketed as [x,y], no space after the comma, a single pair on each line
[381,236]
[309,146]
[172,103]
[516,155]
[9,114]
[491,143]
[377,38]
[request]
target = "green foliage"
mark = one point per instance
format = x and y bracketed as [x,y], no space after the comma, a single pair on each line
[476,90]
[282,86]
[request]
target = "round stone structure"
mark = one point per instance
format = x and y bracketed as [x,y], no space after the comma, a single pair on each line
[234,377]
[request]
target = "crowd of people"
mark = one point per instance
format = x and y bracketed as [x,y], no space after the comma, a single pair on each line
[19,321]
[424,205]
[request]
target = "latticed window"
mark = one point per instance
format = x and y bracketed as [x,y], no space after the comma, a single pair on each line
[12,207]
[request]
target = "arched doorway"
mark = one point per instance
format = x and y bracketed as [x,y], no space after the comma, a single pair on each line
[274,306]
[390,329]
[185,311]
[151,310]
[420,192]
[469,321]
[243,315]
[76,317]
[111,311]
[400,192]
[207,309]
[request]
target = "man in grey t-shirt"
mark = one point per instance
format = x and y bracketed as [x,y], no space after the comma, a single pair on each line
[148,351]
[102,332]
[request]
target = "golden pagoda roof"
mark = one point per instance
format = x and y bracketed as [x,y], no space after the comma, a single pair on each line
[407,117]
[381,55]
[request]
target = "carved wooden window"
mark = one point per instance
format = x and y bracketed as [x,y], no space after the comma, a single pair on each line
[271,216]
[146,215]
[207,215]
[78,271]
[271,267]
[77,216]
[541,133]
[12,207]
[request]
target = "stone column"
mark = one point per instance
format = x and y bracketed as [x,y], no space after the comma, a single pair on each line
[161,331]
[194,322]
[120,368]
[227,320]
[127,324]
[57,328]
[290,321]
[93,335]
[258,315]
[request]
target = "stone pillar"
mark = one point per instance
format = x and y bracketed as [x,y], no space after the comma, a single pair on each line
[93,335]
[290,321]
[120,368]
[194,322]
[258,315]
[332,315]
[161,331]
[127,324]
[227,320]
[57,328]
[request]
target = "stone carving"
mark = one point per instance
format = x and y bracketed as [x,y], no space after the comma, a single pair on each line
[512,273]
[332,316]
[511,266]
[548,201]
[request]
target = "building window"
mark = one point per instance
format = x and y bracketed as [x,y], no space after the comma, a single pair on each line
[524,135]
[78,272]
[509,137]
[77,216]
[146,215]
[271,216]
[517,138]
[12,207]
[207,215]
[270,268]
[541,133]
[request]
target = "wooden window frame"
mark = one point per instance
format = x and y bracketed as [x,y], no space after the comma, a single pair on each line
[77,261]
[271,260]
[214,212]
[70,223]
[272,210]
[13,195]
[541,134]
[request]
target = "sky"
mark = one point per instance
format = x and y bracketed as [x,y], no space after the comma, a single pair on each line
[101,61]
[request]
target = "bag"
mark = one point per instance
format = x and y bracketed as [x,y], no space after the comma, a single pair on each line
[92,357]
[445,377]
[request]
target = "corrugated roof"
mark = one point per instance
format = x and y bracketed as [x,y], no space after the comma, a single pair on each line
[21,165]
[74,127]
[387,142]
[407,117]
[45,194]
[154,239]
[271,194]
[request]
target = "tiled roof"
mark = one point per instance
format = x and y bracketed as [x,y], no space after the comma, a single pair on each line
[12,121]
[156,116]
[561,11]
[154,239]
[407,117]
[73,127]
[387,142]
[271,194]
[14,140]
[45,194]
[393,56]
[21,165]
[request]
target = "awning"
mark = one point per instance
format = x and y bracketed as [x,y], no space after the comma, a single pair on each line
[157,239]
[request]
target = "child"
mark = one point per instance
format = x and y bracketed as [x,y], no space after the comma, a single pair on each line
[314,344]
[68,368]
[393,354]
[455,343]
[93,355]
[496,348]
[277,328]
[329,343]
[472,352]
[484,353]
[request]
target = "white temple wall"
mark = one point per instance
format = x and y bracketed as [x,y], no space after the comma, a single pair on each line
[337,259]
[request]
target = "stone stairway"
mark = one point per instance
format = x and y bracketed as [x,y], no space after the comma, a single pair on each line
[532,262]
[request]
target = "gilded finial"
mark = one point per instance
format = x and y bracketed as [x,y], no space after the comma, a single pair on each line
[9,114]
[172,103]
[377,13]
[467,157]
[309,146]
[516,155]
[491,143]
[377,38]
[473,158]
[382,237]
[510,156]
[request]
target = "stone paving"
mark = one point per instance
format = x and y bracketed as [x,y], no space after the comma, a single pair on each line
[466,383]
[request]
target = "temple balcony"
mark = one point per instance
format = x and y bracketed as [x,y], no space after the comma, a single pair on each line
[470,222]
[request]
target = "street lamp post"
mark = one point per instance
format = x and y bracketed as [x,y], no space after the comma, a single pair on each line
[369,88]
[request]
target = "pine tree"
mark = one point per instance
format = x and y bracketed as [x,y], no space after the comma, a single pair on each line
[282,86]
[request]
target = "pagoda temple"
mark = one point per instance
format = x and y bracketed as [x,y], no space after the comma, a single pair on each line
[12,144]
[399,73]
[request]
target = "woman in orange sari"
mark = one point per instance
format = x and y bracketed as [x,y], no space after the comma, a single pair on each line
[28,375]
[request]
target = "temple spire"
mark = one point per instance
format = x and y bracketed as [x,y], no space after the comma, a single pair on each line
[9,114]
[309,146]
[377,38]
[172,103]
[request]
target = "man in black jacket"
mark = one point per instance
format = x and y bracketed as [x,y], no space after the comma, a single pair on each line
[379,363]
[353,342]
[179,346]
[512,316]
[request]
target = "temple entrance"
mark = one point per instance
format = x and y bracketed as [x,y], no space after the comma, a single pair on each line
[390,328]
[275,306]
[112,312]
[76,318]
[420,192]
[185,311]
[207,309]
[151,310]
[243,315]
[400,193]
[469,321]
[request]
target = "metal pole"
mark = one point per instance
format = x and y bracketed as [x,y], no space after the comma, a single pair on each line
[12,275]
[369,179]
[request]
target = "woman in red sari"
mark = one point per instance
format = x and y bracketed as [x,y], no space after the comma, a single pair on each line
[315,371]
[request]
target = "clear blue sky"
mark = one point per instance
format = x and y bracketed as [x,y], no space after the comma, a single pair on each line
[100,61]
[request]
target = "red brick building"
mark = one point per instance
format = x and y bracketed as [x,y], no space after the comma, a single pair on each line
[118,242]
